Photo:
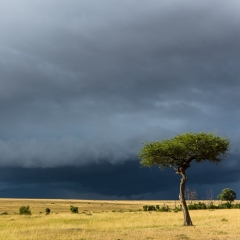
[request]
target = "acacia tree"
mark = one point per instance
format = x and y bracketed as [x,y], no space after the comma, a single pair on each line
[180,151]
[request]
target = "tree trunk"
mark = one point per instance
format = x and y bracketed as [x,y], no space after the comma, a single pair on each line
[187,219]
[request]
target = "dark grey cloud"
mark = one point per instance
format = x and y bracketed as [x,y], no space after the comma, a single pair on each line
[88,82]
[114,181]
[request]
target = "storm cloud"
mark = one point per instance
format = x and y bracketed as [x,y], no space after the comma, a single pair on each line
[86,83]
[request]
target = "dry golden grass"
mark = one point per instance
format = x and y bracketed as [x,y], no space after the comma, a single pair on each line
[112,220]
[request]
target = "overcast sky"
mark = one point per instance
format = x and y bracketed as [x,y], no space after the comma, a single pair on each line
[83,84]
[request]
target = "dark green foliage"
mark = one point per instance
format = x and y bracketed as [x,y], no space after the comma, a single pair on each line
[212,206]
[24,210]
[47,211]
[227,194]
[200,205]
[4,213]
[196,206]
[164,208]
[74,209]
[226,205]
[178,208]
[151,208]
[237,205]
[145,208]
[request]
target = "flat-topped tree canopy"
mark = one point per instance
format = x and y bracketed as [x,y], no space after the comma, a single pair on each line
[181,150]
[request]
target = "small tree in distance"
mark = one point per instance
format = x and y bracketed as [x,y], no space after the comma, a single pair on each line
[180,151]
[47,210]
[227,194]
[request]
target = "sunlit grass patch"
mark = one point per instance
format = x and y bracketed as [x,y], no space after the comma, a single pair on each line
[112,220]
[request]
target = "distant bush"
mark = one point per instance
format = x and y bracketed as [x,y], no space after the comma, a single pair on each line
[24,210]
[74,209]
[212,206]
[226,205]
[164,208]
[4,213]
[200,205]
[149,208]
[47,211]
[196,206]
[237,205]
[145,207]
[156,208]
[178,208]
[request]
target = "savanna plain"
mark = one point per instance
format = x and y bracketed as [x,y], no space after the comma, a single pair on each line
[112,220]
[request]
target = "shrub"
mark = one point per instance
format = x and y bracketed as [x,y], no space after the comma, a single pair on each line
[196,206]
[178,208]
[156,208]
[226,205]
[237,205]
[212,206]
[145,208]
[24,210]
[47,211]
[151,208]
[164,209]
[4,213]
[74,209]
[192,207]
[202,205]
